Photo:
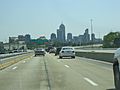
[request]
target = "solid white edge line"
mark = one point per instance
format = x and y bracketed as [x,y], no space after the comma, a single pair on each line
[91,82]
[67,66]
[14,67]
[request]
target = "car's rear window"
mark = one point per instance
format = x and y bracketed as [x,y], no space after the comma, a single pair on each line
[39,49]
[67,48]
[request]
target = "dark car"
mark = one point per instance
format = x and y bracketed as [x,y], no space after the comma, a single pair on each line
[57,51]
[39,51]
[48,49]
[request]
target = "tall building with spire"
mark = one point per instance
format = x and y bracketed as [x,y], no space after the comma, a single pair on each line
[61,33]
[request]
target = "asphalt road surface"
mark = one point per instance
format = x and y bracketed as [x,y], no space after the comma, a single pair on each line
[51,73]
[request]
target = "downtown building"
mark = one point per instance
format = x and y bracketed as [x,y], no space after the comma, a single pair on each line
[82,39]
[61,33]
[95,40]
[1,47]
[19,42]
[53,37]
[69,37]
[26,39]
[86,37]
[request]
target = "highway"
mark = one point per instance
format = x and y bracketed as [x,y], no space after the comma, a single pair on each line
[51,73]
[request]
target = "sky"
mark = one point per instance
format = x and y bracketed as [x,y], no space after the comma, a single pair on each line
[43,17]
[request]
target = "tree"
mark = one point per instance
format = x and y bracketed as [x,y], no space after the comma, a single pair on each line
[108,40]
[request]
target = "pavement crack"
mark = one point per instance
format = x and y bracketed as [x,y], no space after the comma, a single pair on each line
[47,73]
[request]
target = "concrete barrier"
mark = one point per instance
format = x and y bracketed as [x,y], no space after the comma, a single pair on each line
[108,57]
[12,54]
[6,62]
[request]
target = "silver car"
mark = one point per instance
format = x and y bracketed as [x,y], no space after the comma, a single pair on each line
[39,51]
[116,69]
[67,52]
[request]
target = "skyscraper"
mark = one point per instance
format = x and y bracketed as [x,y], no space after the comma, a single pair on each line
[27,38]
[1,48]
[69,37]
[21,38]
[76,39]
[93,37]
[81,39]
[53,37]
[61,33]
[86,36]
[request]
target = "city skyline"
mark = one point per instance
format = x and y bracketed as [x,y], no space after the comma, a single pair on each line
[62,36]
[43,17]
[80,39]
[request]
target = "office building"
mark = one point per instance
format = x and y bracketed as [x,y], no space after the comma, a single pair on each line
[86,36]
[27,38]
[21,38]
[53,37]
[61,33]
[92,37]
[76,40]
[13,39]
[81,39]
[69,37]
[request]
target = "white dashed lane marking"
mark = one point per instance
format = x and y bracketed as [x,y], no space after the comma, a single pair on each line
[91,82]
[14,68]
[23,61]
[67,66]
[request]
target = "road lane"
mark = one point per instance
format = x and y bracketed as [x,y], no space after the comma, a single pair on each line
[81,69]
[62,78]
[25,76]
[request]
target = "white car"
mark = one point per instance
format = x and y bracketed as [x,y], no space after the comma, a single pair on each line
[67,52]
[116,69]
